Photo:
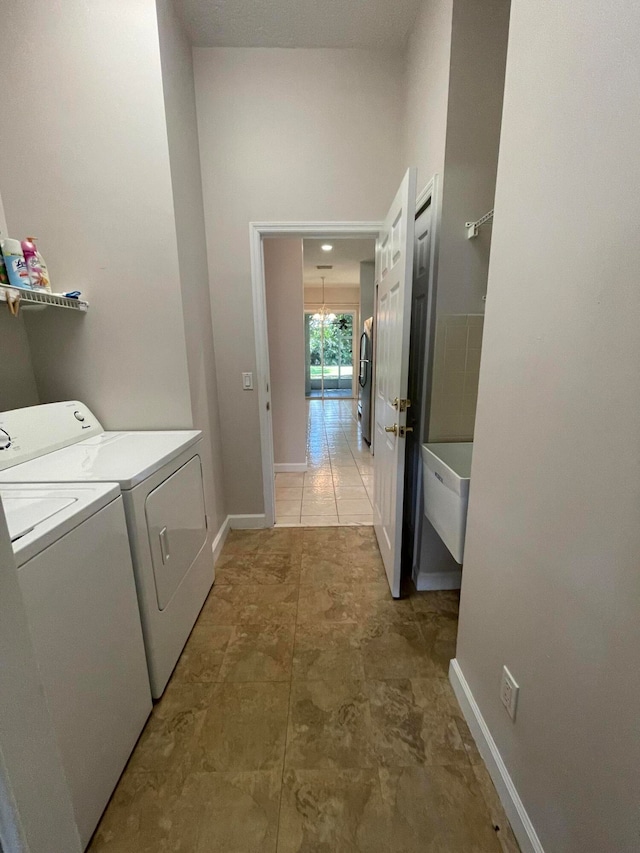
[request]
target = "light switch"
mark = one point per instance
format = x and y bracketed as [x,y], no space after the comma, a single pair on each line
[247,381]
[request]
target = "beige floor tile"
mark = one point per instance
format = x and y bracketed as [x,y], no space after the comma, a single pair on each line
[440,633]
[326,506]
[284,508]
[289,493]
[395,650]
[436,808]
[260,653]
[257,568]
[326,650]
[347,477]
[436,601]
[146,814]
[289,479]
[245,728]
[315,570]
[332,811]
[246,605]
[319,520]
[353,507]
[414,722]
[336,602]
[329,726]
[233,812]
[202,656]
[288,521]
[351,493]
[168,741]
[356,519]
[267,541]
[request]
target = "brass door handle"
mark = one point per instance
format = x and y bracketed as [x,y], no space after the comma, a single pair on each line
[404,430]
[393,429]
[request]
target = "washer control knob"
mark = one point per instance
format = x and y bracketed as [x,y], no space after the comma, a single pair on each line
[78,416]
[5,440]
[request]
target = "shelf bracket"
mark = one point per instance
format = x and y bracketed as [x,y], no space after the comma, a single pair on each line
[474,227]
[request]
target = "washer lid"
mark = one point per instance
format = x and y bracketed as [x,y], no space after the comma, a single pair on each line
[25,511]
[39,514]
[124,457]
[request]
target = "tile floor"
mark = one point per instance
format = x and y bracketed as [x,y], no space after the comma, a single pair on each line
[337,487]
[309,713]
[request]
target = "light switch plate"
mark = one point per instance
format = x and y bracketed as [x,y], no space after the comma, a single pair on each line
[247,381]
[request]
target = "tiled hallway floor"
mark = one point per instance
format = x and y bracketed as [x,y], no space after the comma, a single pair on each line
[309,713]
[337,487]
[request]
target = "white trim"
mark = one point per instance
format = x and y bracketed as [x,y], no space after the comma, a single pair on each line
[258,230]
[289,467]
[513,805]
[437,580]
[248,522]
[218,543]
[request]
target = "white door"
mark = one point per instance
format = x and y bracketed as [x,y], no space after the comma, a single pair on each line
[394,274]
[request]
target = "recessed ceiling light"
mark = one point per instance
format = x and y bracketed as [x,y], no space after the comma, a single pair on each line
[326,247]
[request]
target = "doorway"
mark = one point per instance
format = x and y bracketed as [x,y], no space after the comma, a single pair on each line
[329,354]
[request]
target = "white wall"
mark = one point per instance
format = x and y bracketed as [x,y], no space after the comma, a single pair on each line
[367,290]
[427,64]
[85,167]
[551,583]
[186,179]
[476,85]
[17,380]
[284,135]
[333,296]
[283,283]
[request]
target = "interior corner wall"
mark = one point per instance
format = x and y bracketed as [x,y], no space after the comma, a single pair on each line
[285,135]
[367,291]
[283,270]
[17,380]
[550,586]
[85,167]
[427,65]
[480,33]
[186,180]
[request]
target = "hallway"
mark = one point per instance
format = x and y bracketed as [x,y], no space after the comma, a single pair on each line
[337,487]
[309,712]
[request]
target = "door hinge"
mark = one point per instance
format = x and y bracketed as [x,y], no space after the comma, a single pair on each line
[401,404]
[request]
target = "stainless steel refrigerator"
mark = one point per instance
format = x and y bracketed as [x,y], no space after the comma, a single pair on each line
[365,379]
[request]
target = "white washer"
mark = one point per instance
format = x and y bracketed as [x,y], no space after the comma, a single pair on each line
[75,572]
[160,475]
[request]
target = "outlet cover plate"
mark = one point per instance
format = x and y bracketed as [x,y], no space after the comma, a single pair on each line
[509,690]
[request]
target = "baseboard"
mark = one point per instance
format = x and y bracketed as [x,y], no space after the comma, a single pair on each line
[218,543]
[247,522]
[289,467]
[513,805]
[437,580]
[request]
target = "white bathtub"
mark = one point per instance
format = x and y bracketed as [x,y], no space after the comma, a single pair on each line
[446,469]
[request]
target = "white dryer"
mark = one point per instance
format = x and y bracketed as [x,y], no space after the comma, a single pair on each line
[74,568]
[160,475]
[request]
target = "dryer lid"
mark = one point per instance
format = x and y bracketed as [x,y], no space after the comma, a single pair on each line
[127,458]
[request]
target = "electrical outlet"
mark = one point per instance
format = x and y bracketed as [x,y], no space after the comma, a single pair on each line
[509,692]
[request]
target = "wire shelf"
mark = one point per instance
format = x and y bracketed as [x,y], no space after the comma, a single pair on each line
[41,298]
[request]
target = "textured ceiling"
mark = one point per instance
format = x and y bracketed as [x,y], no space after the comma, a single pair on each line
[298,23]
[345,257]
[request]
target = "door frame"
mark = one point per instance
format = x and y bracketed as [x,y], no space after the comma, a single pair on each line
[257,232]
